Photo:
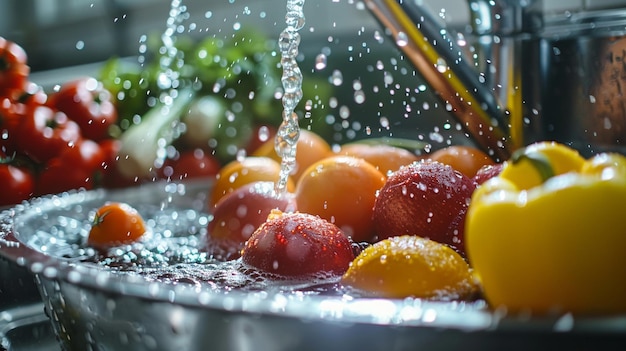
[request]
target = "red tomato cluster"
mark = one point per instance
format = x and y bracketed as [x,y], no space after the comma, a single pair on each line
[50,142]
[56,141]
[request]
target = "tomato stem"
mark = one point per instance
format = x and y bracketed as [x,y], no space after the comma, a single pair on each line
[7,159]
[100,218]
[4,63]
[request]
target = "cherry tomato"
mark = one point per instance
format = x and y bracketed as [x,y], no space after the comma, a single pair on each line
[77,167]
[115,223]
[17,183]
[88,103]
[14,70]
[190,164]
[45,133]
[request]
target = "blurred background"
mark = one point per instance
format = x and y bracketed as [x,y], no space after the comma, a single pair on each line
[375,90]
[373,87]
[59,33]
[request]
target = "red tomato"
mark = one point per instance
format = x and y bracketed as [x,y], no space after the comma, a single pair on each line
[190,164]
[13,108]
[45,133]
[298,245]
[77,167]
[487,172]
[13,68]
[112,178]
[238,214]
[17,183]
[427,199]
[32,94]
[9,120]
[89,104]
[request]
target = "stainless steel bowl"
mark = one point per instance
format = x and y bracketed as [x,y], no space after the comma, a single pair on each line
[92,307]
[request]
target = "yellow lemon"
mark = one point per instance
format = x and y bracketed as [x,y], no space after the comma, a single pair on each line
[410,266]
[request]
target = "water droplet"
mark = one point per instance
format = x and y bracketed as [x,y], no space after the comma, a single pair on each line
[379,37]
[429,316]
[320,62]
[359,97]
[336,78]
[441,65]
[402,39]
[384,122]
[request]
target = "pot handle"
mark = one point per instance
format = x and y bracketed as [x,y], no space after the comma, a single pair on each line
[435,54]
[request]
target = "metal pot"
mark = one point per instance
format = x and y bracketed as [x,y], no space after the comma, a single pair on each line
[92,307]
[521,74]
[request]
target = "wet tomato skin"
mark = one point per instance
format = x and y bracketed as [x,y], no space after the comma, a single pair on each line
[428,199]
[31,94]
[89,104]
[298,245]
[10,117]
[45,133]
[487,172]
[14,106]
[239,213]
[115,223]
[14,69]
[17,182]
[77,167]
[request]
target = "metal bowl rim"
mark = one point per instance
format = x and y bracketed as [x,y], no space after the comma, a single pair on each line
[410,312]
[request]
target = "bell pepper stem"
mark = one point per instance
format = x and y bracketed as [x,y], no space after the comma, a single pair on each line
[539,161]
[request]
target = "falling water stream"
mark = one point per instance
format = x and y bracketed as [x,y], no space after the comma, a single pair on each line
[289,130]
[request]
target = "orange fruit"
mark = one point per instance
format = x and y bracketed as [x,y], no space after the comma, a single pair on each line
[114,224]
[309,149]
[465,159]
[244,171]
[410,266]
[342,190]
[385,158]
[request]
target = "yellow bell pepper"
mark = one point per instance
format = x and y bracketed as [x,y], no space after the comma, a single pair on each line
[548,235]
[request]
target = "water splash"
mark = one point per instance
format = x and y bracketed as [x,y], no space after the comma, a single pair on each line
[172,59]
[289,130]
